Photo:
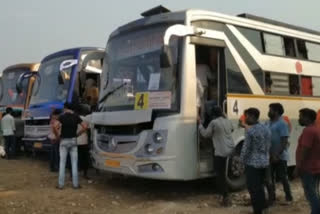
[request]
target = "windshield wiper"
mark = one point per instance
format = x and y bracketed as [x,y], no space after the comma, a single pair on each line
[111,92]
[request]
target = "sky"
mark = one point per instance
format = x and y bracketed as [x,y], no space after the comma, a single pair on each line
[33,29]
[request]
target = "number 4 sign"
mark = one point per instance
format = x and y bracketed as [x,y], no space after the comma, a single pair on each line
[235,108]
[141,101]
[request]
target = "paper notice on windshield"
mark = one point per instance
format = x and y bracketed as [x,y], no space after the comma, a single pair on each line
[154,82]
[160,100]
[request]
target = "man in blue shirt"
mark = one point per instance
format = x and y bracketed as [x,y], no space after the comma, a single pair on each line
[255,156]
[279,155]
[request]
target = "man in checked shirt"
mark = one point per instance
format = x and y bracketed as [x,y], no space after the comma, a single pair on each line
[255,156]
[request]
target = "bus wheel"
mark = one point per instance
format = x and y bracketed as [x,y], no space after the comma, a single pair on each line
[235,175]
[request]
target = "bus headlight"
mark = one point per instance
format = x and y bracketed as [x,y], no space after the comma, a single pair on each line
[157,137]
[149,148]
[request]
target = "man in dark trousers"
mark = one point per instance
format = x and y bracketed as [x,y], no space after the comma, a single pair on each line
[255,156]
[279,154]
[68,144]
[308,158]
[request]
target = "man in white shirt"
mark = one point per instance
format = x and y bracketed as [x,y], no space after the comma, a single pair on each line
[8,130]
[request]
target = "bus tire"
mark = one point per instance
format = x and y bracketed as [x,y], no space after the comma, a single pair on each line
[235,175]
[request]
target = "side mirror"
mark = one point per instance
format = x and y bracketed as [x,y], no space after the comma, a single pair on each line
[22,77]
[175,30]
[166,57]
[65,65]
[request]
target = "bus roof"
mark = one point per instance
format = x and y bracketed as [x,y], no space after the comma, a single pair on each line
[278,23]
[174,17]
[245,20]
[32,66]
[71,51]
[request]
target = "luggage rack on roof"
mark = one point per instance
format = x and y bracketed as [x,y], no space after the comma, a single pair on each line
[278,23]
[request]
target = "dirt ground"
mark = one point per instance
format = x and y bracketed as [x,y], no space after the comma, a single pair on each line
[27,187]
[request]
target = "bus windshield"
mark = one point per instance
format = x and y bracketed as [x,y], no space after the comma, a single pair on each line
[50,90]
[133,68]
[9,86]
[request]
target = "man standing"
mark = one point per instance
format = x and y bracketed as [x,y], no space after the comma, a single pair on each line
[279,155]
[220,129]
[308,158]
[8,129]
[255,156]
[68,144]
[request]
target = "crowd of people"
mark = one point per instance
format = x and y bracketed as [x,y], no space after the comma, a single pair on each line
[265,154]
[69,141]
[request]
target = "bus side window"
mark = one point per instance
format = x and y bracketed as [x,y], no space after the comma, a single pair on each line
[274,44]
[313,51]
[277,83]
[306,86]
[302,49]
[294,86]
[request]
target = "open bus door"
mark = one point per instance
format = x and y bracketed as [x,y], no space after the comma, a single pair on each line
[209,47]
[209,57]
[90,74]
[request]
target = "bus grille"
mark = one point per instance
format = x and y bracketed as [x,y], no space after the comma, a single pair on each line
[117,144]
[123,130]
[38,122]
[36,131]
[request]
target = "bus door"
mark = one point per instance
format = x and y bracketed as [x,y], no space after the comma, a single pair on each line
[211,87]
[89,79]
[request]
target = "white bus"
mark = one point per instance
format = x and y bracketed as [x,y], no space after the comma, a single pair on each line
[147,120]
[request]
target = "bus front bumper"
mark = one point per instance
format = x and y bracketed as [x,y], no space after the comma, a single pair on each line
[42,144]
[160,168]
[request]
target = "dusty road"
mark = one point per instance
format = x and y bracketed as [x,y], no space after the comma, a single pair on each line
[27,187]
